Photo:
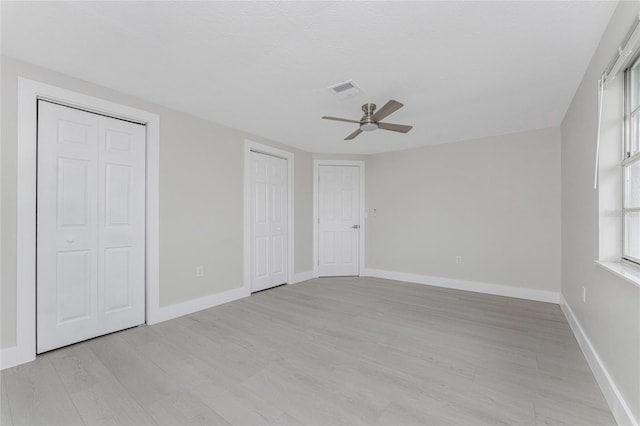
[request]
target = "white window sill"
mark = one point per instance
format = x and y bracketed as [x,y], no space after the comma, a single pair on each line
[626,271]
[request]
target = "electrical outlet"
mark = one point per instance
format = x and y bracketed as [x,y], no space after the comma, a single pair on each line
[458,260]
[584,294]
[200,271]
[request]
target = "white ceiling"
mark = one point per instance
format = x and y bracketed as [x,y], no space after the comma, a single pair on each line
[463,69]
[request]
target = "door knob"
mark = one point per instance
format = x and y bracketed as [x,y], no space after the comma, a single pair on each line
[356,226]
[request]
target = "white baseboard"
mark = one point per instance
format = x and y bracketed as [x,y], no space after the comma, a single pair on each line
[478,287]
[301,276]
[617,404]
[9,357]
[190,306]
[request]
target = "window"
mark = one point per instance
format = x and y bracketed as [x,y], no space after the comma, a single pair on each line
[631,165]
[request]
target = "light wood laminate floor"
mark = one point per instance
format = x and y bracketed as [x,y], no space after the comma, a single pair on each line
[324,352]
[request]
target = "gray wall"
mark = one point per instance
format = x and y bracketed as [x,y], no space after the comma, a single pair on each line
[611,315]
[346,157]
[494,201]
[201,197]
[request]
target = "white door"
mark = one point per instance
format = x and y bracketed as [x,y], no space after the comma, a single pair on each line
[268,221]
[339,220]
[90,225]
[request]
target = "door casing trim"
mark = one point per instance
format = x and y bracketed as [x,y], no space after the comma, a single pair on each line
[316,214]
[29,91]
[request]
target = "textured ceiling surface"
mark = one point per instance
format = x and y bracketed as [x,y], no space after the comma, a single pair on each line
[463,69]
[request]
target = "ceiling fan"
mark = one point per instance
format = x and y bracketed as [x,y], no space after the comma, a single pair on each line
[371,119]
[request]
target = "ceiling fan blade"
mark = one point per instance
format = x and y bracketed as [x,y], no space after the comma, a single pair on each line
[387,109]
[353,135]
[394,127]
[341,119]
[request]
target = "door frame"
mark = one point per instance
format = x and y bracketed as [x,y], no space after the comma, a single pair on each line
[316,206]
[250,146]
[29,91]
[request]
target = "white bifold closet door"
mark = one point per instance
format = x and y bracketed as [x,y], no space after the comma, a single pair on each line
[90,225]
[339,220]
[268,221]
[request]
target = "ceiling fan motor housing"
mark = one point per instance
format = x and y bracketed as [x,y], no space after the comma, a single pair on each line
[366,122]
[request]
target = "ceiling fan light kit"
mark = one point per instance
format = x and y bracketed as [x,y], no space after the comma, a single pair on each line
[370,121]
[368,127]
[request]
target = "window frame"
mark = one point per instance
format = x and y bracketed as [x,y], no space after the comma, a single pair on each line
[629,158]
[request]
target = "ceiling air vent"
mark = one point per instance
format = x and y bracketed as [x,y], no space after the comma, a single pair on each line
[346,89]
